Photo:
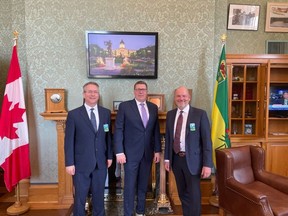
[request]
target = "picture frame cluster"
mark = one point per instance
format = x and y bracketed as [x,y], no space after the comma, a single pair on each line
[246,17]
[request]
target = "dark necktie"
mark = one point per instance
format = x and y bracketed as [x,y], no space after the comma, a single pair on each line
[176,145]
[144,114]
[93,119]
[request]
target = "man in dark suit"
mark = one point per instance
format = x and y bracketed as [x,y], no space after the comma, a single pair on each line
[137,144]
[88,150]
[188,150]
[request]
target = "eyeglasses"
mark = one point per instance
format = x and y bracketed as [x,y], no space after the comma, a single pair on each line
[91,92]
[140,90]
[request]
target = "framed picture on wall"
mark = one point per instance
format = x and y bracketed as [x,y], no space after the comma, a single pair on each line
[116,105]
[122,54]
[157,99]
[276,17]
[277,46]
[243,17]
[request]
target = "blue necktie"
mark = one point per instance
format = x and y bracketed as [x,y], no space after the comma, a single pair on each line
[144,115]
[93,119]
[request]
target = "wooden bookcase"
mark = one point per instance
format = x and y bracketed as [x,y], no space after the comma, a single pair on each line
[277,78]
[251,122]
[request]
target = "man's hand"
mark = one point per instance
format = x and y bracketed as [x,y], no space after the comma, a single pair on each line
[109,163]
[167,165]
[206,172]
[157,157]
[121,158]
[70,170]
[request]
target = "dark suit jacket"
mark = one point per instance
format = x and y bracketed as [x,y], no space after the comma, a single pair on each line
[198,144]
[85,148]
[131,137]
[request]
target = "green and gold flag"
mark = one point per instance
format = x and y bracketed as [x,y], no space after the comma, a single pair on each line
[220,124]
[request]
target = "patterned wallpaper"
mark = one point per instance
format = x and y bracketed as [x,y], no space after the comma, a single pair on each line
[5,44]
[52,54]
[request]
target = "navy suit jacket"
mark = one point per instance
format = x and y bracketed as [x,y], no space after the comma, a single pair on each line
[84,147]
[131,137]
[198,145]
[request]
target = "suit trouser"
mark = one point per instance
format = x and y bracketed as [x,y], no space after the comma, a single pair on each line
[136,179]
[188,187]
[82,183]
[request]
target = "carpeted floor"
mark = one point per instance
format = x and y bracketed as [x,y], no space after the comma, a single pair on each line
[116,208]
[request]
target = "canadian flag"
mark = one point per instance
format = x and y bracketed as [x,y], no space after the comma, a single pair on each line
[14,141]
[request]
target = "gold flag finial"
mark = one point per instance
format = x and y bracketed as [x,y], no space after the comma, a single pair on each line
[223,38]
[15,37]
[16,34]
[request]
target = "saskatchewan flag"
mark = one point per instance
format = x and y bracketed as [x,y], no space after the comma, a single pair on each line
[220,124]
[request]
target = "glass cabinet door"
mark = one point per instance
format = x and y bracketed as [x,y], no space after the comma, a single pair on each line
[244,98]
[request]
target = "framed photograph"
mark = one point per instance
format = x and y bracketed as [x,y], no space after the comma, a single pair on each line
[157,99]
[277,46]
[276,17]
[243,17]
[116,105]
[122,54]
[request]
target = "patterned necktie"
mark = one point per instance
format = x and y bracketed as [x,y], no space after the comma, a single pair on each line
[144,115]
[176,145]
[93,119]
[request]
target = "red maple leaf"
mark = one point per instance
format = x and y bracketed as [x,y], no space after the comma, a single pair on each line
[8,118]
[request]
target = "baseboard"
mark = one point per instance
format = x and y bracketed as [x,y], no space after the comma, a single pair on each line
[45,196]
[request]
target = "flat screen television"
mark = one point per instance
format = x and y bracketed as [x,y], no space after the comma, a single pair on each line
[112,54]
[278,106]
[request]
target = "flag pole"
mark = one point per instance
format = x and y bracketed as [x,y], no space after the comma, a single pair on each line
[18,207]
[214,199]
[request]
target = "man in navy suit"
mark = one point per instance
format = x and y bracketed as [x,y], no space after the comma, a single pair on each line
[191,159]
[88,150]
[137,144]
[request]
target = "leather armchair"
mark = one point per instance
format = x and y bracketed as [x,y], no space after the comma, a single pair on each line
[245,188]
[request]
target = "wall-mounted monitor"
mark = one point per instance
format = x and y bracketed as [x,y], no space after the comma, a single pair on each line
[278,101]
[122,54]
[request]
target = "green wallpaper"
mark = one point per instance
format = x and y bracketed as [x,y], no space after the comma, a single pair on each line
[52,54]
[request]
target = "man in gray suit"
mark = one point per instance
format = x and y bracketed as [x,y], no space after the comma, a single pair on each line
[88,150]
[188,150]
[137,144]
